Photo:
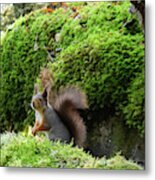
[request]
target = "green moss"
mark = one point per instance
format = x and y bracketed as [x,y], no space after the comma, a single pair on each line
[104,58]
[118,162]
[98,53]
[134,110]
[21,62]
[21,151]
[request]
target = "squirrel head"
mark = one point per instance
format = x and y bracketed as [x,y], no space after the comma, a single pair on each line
[39,101]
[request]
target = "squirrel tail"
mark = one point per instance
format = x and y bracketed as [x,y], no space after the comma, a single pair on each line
[67,103]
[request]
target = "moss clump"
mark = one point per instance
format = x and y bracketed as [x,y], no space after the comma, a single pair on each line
[134,111]
[22,55]
[21,151]
[105,58]
[98,53]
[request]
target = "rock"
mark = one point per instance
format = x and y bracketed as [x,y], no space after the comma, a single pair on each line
[109,135]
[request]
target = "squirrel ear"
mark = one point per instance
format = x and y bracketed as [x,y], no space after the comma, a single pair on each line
[36,89]
[44,94]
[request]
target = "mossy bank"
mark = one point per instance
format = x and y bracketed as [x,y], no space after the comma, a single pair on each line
[21,151]
[94,49]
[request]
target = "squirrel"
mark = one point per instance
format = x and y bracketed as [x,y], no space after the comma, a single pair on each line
[58,113]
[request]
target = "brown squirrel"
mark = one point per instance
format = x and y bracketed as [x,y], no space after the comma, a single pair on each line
[58,113]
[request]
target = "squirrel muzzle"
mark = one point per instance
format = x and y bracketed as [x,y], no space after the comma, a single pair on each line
[38,103]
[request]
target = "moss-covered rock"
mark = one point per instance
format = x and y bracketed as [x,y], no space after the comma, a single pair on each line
[98,52]
[104,57]
[20,151]
[22,55]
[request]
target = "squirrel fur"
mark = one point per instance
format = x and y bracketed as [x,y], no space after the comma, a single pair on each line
[58,113]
